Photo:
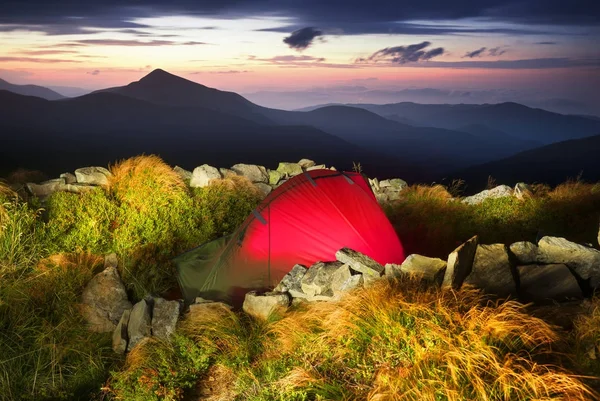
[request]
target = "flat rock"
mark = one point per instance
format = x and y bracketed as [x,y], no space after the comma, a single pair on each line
[501,191]
[203,175]
[104,300]
[317,280]
[92,175]
[491,271]
[185,175]
[261,306]
[526,252]
[119,337]
[548,282]
[584,260]
[431,269]
[140,324]
[264,189]
[289,169]
[252,172]
[360,263]
[292,282]
[164,317]
[460,264]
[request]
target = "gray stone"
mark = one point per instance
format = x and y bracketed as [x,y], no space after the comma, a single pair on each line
[398,183]
[392,193]
[374,183]
[491,271]
[392,270]
[46,188]
[384,184]
[203,175]
[111,260]
[359,262]
[548,282]
[382,197]
[431,269]
[139,324]
[289,169]
[355,281]
[525,252]
[274,177]
[460,263]
[164,317]
[226,173]
[92,175]
[264,189]
[339,277]
[317,167]
[119,337]
[261,306]
[332,168]
[317,280]
[252,172]
[584,260]
[501,191]
[522,191]
[292,282]
[103,301]
[306,163]
[69,178]
[76,188]
[185,175]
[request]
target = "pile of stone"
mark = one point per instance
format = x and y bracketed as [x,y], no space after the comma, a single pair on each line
[106,308]
[387,190]
[84,179]
[520,191]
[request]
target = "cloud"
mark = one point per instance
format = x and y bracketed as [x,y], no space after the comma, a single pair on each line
[38,60]
[475,53]
[405,54]
[124,42]
[546,43]
[497,51]
[537,63]
[95,72]
[291,61]
[302,38]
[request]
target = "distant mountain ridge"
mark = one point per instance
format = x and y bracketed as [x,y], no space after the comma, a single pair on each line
[31,90]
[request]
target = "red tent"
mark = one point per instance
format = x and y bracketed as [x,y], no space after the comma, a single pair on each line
[303,221]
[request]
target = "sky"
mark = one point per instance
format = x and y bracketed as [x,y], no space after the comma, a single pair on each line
[314,50]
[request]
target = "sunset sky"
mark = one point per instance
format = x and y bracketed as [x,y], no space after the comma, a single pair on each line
[547,48]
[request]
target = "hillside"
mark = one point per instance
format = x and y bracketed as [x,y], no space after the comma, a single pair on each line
[31,90]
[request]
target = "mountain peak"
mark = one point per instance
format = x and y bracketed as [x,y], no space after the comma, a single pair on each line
[159,75]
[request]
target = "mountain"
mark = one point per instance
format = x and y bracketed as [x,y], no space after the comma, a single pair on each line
[103,127]
[550,164]
[30,90]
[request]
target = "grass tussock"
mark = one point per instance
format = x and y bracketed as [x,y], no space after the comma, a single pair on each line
[586,340]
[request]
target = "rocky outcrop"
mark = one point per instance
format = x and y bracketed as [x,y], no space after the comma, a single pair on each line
[203,175]
[584,260]
[548,282]
[317,280]
[288,170]
[265,189]
[460,263]
[501,191]
[292,282]
[491,271]
[92,175]
[252,172]
[525,252]
[261,306]
[431,269]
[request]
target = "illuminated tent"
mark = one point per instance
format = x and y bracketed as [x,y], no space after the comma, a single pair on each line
[303,221]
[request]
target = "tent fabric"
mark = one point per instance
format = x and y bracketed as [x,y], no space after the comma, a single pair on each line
[303,221]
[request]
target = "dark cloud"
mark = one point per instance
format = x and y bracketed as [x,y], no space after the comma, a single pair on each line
[405,54]
[546,43]
[123,42]
[497,51]
[302,38]
[95,72]
[475,53]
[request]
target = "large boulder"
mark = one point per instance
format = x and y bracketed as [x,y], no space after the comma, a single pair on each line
[317,280]
[203,175]
[261,306]
[339,278]
[525,252]
[292,282]
[252,172]
[120,337]
[69,178]
[289,169]
[585,261]
[104,300]
[431,269]
[548,282]
[274,177]
[460,263]
[501,191]
[354,281]
[265,189]
[164,317]
[46,188]
[359,262]
[492,271]
[140,324]
[185,175]
[92,175]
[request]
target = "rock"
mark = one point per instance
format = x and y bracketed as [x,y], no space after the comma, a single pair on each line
[76,188]
[392,270]
[306,163]
[202,176]
[525,252]
[501,191]
[382,197]
[92,175]
[103,301]
[398,183]
[374,183]
[252,172]
[522,191]
[392,193]
[460,263]
[226,173]
[317,280]
[261,306]
[274,177]
[317,167]
[111,260]
[209,307]
[265,189]
[339,278]
[355,281]
[164,317]
[332,168]
[119,338]
[289,169]
[584,260]
[361,263]
[384,184]
[431,269]
[185,175]
[45,188]
[491,271]
[548,282]
[139,324]
[69,178]
[292,282]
